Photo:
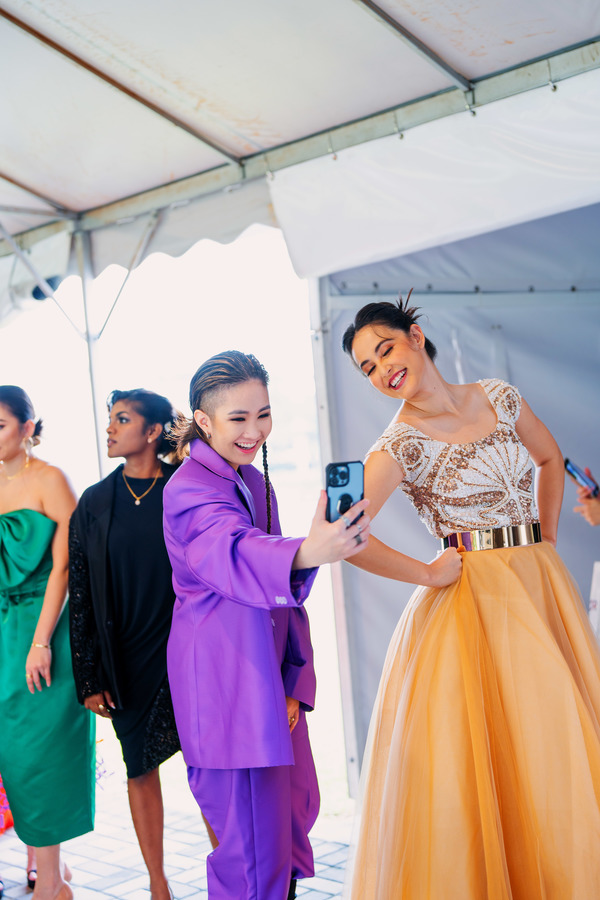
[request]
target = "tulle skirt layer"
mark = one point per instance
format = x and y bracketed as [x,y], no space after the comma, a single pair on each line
[482,768]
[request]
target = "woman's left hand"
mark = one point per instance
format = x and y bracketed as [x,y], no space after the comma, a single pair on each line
[37,666]
[589,507]
[293,711]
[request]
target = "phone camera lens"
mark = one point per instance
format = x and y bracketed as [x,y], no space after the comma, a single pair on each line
[339,476]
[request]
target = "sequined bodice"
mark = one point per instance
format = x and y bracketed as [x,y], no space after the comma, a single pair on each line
[458,487]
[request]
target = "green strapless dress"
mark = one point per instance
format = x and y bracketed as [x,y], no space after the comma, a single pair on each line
[47,740]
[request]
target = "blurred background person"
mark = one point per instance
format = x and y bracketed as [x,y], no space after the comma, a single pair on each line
[47,746]
[589,505]
[120,585]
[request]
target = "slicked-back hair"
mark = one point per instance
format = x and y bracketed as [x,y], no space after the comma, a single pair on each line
[20,406]
[224,370]
[154,409]
[399,316]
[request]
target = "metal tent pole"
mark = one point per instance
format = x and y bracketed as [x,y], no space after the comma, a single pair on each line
[84,264]
[327,440]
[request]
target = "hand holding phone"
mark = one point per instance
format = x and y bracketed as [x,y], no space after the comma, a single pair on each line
[579,476]
[344,483]
[348,532]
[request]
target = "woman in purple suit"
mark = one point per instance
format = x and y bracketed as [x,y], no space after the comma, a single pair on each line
[239,653]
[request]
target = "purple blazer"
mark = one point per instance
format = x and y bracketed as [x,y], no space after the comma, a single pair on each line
[240,639]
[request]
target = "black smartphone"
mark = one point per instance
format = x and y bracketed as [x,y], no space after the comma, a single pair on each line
[581,478]
[344,482]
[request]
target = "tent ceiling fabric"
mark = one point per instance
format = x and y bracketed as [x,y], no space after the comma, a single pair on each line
[521,158]
[114,110]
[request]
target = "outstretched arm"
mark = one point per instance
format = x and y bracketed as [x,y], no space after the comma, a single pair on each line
[548,461]
[382,477]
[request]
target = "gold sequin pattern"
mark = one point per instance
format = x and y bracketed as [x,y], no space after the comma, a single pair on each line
[481,484]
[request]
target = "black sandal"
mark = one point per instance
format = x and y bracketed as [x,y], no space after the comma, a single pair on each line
[31,879]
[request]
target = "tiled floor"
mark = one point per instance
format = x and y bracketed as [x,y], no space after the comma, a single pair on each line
[108,863]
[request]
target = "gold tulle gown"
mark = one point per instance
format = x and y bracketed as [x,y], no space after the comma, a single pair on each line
[481,777]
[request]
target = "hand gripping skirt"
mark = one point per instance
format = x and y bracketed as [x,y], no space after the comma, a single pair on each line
[481,778]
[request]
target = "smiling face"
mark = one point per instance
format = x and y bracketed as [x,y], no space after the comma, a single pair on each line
[127,431]
[391,359]
[13,434]
[238,421]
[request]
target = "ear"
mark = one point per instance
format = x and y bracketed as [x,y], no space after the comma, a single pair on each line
[154,432]
[28,429]
[417,338]
[202,420]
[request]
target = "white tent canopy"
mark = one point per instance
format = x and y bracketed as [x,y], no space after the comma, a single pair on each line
[148,127]
[518,159]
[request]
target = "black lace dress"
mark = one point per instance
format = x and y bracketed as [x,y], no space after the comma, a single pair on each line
[136,610]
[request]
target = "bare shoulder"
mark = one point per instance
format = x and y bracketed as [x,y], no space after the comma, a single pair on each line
[56,492]
[49,475]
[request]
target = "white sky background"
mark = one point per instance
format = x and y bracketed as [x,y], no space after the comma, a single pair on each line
[172,315]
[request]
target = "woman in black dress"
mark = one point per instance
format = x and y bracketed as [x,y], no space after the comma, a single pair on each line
[121,600]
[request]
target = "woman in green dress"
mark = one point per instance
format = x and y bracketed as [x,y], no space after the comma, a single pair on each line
[47,741]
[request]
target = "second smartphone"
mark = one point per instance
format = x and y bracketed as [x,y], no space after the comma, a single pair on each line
[579,476]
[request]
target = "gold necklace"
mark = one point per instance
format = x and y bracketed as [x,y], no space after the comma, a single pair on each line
[20,472]
[141,496]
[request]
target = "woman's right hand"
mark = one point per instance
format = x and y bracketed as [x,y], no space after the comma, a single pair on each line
[329,542]
[445,569]
[101,704]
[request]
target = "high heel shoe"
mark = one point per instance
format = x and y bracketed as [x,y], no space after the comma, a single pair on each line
[31,879]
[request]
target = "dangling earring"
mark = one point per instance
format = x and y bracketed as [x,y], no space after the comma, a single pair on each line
[28,446]
[208,435]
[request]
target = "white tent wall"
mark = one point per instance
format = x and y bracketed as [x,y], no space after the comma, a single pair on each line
[547,342]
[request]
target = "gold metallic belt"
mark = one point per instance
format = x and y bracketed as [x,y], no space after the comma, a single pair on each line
[494,538]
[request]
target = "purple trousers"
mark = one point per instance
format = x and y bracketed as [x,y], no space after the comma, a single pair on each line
[261,818]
